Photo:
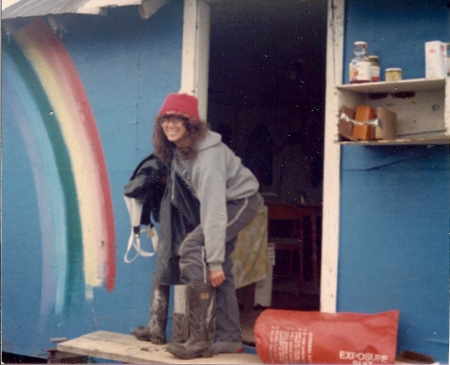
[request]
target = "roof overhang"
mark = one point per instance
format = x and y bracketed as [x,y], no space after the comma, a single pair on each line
[16,13]
[13,9]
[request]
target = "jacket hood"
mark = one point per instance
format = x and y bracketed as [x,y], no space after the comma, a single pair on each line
[211,139]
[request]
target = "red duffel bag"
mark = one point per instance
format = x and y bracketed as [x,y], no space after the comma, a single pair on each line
[296,337]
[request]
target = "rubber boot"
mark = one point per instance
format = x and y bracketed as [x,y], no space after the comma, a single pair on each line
[225,347]
[155,331]
[179,328]
[201,305]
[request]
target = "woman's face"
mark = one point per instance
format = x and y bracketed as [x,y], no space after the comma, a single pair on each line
[174,128]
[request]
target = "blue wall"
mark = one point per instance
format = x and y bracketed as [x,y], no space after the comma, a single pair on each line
[396,31]
[127,66]
[394,201]
[394,217]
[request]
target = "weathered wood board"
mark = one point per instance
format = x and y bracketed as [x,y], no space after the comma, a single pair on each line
[126,348]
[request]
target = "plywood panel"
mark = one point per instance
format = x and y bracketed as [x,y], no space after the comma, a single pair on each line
[126,348]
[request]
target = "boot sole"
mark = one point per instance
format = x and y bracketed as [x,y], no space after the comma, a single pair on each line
[149,338]
[152,340]
[187,356]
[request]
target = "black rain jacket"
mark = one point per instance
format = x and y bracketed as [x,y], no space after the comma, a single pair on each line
[167,199]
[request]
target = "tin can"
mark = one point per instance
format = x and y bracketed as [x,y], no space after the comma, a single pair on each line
[393,74]
[374,68]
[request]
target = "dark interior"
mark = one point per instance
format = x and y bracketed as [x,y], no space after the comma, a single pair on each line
[267,99]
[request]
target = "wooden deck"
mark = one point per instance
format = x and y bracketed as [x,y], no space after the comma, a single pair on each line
[126,348]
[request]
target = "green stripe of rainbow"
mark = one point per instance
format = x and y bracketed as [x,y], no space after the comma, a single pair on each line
[60,81]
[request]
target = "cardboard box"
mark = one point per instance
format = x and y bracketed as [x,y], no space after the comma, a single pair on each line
[345,127]
[383,127]
[386,124]
[364,114]
[435,60]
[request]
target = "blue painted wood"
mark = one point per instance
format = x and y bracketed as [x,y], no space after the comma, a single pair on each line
[394,243]
[394,216]
[396,31]
[127,66]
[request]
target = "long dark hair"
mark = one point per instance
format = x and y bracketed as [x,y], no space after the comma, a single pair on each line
[187,146]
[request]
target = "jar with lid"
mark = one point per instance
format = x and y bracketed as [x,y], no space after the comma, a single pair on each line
[374,68]
[360,64]
[393,74]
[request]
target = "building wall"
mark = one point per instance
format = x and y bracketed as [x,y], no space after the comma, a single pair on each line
[111,73]
[394,216]
[394,201]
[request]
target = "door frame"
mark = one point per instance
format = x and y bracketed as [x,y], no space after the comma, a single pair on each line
[195,52]
[332,159]
[194,80]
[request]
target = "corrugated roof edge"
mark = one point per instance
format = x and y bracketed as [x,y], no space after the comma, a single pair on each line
[34,8]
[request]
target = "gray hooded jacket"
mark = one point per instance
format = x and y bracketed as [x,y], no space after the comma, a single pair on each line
[215,176]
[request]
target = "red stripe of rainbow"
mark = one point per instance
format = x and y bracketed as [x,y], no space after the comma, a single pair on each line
[61,82]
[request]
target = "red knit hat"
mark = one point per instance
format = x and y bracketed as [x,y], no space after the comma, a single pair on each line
[180,104]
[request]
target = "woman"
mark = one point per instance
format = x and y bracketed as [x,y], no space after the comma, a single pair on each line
[227,192]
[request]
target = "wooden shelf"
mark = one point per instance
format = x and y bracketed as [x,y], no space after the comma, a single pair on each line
[422,109]
[394,87]
[396,142]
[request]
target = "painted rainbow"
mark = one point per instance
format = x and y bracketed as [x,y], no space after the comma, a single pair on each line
[66,141]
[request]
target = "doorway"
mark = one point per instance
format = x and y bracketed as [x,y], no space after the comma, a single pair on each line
[266,96]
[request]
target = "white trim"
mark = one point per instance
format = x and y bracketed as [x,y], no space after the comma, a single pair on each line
[195,65]
[331,183]
[189,46]
[202,71]
[195,54]
[194,80]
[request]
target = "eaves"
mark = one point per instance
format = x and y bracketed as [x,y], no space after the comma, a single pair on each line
[13,9]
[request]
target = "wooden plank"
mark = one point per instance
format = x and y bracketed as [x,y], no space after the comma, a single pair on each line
[126,348]
[398,141]
[395,87]
[332,158]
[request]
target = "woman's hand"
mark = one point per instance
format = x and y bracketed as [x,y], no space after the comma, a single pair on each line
[216,277]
